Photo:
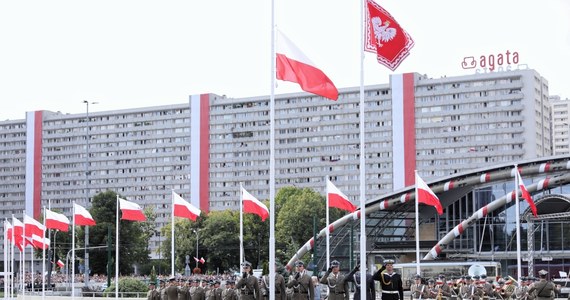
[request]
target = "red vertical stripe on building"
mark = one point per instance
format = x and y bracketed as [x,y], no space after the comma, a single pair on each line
[205,153]
[38,127]
[409,129]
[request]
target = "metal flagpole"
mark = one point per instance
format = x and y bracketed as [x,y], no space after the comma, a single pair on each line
[12,260]
[328,227]
[172,238]
[23,257]
[417,225]
[272,160]
[362,162]
[44,258]
[72,256]
[241,254]
[117,252]
[6,259]
[518,221]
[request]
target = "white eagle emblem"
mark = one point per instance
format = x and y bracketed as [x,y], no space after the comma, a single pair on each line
[382,32]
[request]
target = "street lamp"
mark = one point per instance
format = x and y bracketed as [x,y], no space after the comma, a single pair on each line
[86,273]
[197,232]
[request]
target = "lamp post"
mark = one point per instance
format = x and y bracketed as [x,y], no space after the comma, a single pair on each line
[86,274]
[197,232]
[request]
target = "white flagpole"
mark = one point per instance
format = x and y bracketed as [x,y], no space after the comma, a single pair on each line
[13,254]
[362,161]
[72,256]
[272,159]
[417,225]
[32,265]
[328,227]
[518,221]
[6,259]
[241,254]
[44,259]
[23,257]
[172,238]
[117,252]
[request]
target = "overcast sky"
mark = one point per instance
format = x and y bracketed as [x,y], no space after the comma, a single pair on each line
[136,53]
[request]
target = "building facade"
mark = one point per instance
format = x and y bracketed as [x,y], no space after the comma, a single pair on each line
[560,125]
[205,148]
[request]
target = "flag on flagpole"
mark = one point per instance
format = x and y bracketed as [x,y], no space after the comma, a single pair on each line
[426,196]
[56,221]
[33,227]
[338,199]
[183,208]
[18,232]
[202,260]
[385,37]
[60,264]
[294,66]
[253,206]
[82,216]
[40,243]
[526,195]
[131,211]
[196,259]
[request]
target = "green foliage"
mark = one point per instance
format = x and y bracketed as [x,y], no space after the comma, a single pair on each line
[128,287]
[153,275]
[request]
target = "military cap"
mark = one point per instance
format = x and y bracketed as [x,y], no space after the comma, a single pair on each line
[417,276]
[172,278]
[523,278]
[246,263]
[476,277]
[431,280]
[335,263]
[152,283]
[467,277]
[483,276]
[441,276]
[388,261]
[542,273]
[299,263]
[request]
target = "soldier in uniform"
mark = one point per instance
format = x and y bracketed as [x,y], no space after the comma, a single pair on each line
[279,287]
[390,281]
[544,289]
[445,288]
[467,289]
[229,293]
[336,282]
[301,283]
[521,291]
[488,289]
[183,291]
[354,276]
[152,293]
[171,291]
[216,293]
[248,284]
[162,290]
[418,290]
[196,291]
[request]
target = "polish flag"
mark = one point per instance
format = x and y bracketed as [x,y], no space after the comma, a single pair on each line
[57,221]
[33,227]
[253,206]
[82,216]
[338,199]
[18,233]
[9,229]
[426,196]
[202,260]
[60,264]
[183,208]
[196,259]
[131,211]
[294,66]
[526,195]
[385,37]
[40,243]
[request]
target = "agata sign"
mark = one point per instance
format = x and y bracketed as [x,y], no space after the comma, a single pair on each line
[491,62]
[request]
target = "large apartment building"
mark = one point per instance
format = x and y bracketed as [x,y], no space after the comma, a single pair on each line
[205,148]
[560,125]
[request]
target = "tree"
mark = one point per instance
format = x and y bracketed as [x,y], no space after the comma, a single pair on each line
[134,236]
[184,241]
[297,208]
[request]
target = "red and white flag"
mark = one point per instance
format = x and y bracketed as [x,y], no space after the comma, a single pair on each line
[33,227]
[9,229]
[294,66]
[253,206]
[57,221]
[18,228]
[338,199]
[385,37]
[183,208]
[196,259]
[60,264]
[526,195]
[40,243]
[82,216]
[131,211]
[426,196]
[202,260]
